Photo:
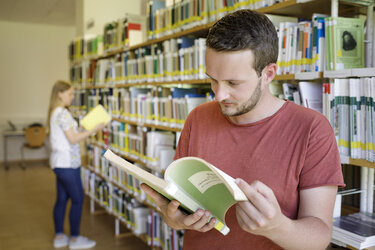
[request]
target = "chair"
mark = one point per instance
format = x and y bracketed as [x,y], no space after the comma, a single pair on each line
[35,137]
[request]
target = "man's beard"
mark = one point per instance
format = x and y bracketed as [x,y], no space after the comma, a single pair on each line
[248,105]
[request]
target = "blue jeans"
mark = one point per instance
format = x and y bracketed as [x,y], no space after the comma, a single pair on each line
[69,185]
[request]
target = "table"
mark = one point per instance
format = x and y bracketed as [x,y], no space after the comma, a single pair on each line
[6,135]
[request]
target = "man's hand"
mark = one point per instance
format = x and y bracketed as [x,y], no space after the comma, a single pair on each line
[261,214]
[176,218]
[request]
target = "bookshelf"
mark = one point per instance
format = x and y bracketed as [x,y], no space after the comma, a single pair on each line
[293,8]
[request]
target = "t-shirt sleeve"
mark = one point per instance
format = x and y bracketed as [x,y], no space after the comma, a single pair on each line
[322,166]
[65,120]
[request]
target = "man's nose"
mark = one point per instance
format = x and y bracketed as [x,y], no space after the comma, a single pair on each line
[221,92]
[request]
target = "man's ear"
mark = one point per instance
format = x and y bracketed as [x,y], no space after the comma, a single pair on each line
[269,73]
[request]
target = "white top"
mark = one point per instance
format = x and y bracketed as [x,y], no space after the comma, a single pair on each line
[64,154]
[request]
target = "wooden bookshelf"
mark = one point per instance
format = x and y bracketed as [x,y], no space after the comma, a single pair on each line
[357,162]
[148,125]
[144,202]
[361,163]
[195,82]
[293,8]
[127,157]
[143,237]
[288,77]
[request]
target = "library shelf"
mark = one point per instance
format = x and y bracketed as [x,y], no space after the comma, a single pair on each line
[294,8]
[173,129]
[345,73]
[143,237]
[357,162]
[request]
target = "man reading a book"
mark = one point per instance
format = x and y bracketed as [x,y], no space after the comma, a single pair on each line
[284,156]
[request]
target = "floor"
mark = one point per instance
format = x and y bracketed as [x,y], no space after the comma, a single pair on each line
[27,199]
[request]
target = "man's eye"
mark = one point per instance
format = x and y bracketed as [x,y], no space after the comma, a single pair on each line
[233,83]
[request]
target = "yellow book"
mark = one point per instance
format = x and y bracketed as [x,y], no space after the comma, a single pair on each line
[94,117]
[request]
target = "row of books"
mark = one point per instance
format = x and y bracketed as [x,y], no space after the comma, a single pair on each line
[127,31]
[161,20]
[349,104]
[307,94]
[172,60]
[99,165]
[157,233]
[139,218]
[167,107]
[154,149]
[323,43]
[164,20]
[85,47]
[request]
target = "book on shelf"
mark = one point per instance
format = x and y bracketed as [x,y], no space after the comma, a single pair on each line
[356,230]
[95,117]
[153,26]
[348,104]
[311,95]
[276,89]
[134,29]
[348,43]
[341,92]
[291,92]
[328,43]
[193,182]
[318,42]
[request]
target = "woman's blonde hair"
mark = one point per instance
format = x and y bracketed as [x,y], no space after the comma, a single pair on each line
[54,101]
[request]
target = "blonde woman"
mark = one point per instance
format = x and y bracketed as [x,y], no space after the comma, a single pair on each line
[65,161]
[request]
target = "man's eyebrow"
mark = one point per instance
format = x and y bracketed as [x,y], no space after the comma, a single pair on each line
[224,80]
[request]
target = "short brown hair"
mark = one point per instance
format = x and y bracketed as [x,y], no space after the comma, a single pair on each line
[243,30]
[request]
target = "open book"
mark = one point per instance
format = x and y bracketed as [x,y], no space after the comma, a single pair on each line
[193,182]
[96,116]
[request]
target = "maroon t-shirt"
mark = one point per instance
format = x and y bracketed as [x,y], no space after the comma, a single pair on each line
[293,149]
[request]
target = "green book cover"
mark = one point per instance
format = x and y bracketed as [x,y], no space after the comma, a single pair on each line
[193,182]
[348,43]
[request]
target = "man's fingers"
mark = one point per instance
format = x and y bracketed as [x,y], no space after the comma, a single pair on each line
[208,226]
[260,196]
[198,220]
[244,219]
[158,198]
[172,208]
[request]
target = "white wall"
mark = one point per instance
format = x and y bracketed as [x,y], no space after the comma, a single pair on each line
[32,58]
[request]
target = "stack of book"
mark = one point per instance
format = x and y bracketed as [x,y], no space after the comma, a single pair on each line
[355,230]
[348,103]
